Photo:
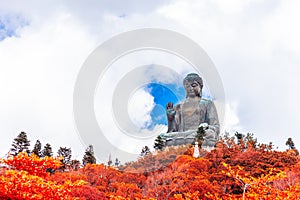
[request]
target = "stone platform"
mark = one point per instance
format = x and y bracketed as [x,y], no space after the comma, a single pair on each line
[179,138]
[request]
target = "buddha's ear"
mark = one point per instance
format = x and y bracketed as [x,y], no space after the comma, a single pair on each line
[200,92]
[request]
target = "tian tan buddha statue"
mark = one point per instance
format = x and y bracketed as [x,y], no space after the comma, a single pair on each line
[195,111]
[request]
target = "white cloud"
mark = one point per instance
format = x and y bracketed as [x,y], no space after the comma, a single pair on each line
[254,44]
[231,121]
[234,6]
[281,28]
[140,106]
[38,71]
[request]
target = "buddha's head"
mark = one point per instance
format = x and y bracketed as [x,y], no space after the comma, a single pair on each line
[193,85]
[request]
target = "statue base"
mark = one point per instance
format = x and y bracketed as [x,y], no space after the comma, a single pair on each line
[184,138]
[180,138]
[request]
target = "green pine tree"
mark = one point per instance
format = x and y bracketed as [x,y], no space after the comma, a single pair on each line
[75,164]
[239,137]
[89,156]
[37,149]
[200,134]
[290,143]
[65,154]
[109,162]
[117,162]
[47,151]
[159,143]
[20,144]
[145,151]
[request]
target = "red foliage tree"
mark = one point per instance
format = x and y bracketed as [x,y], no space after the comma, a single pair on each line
[231,171]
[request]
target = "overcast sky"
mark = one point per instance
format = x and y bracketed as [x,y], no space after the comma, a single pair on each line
[255,46]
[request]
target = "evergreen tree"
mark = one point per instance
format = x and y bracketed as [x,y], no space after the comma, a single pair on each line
[270,146]
[290,143]
[37,149]
[250,140]
[200,134]
[145,151]
[66,154]
[159,143]
[20,144]
[117,162]
[238,135]
[47,151]
[109,160]
[89,156]
[75,164]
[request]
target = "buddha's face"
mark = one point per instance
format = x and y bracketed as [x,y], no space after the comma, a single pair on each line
[192,88]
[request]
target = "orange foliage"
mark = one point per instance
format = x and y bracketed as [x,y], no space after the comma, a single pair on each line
[231,171]
[25,179]
[33,164]
[21,185]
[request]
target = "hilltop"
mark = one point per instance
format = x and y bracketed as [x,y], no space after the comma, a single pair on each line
[233,169]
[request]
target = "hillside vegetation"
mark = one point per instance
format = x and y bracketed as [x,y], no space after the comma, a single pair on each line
[240,169]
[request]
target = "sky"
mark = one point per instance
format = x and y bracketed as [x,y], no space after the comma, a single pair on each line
[254,45]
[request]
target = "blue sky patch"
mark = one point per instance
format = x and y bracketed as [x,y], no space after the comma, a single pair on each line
[162,95]
[9,24]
